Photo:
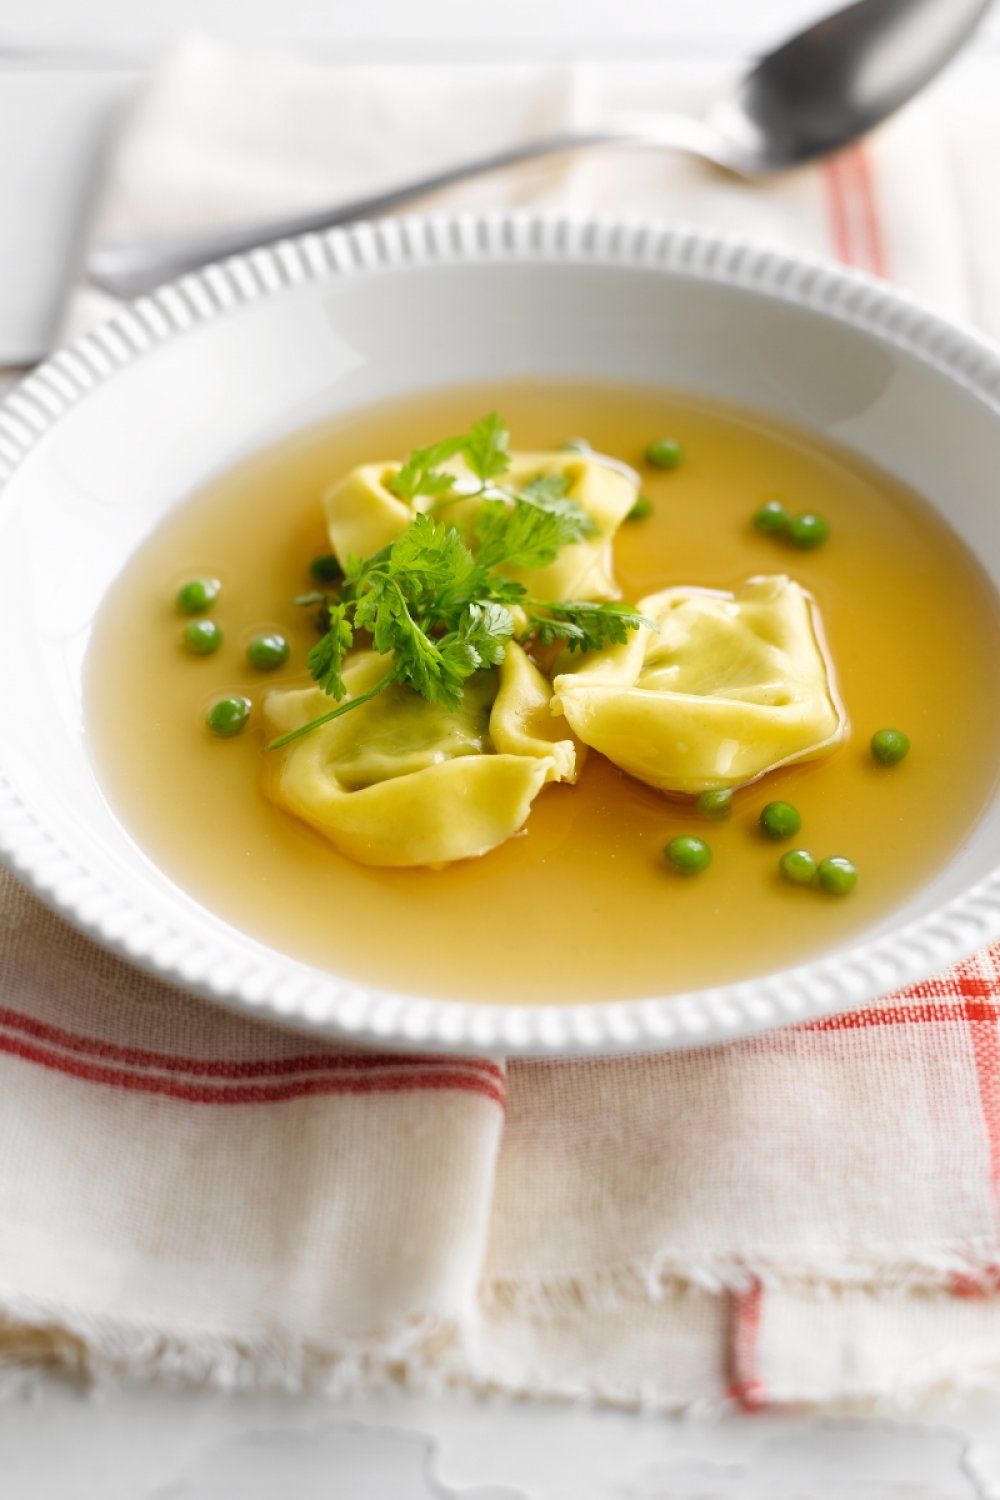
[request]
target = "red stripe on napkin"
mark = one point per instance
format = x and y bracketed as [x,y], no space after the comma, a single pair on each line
[985,1041]
[385,1075]
[745,1384]
[924,1004]
[852,209]
[956,997]
[167,1062]
[864,188]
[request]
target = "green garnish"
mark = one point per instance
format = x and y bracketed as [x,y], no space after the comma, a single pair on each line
[439,608]
[421,474]
[530,528]
[485,449]
[325,568]
[202,637]
[837,875]
[797,866]
[575,445]
[717,803]
[688,855]
[642,509]
[196,597]
[580,625]
[890,746]
[780,820]
[228,716]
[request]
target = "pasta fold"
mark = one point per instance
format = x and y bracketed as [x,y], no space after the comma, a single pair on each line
[363,515]
[400,781]
[731,686]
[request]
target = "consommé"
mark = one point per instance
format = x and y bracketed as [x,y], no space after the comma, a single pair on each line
[581,905]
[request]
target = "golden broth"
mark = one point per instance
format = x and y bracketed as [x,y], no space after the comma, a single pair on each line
[581,905]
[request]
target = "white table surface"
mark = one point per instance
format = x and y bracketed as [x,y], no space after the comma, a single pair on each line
[66,66]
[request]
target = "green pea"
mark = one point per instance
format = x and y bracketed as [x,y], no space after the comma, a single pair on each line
[837,875]
[198,595]
[715,804]
[575,445]
[202,637]
[889,746]
[228,716]
[664,453]
[808,531]
[688,854]
[266,652]
[798,866]
[325,568]
[641,509]
[772,518]
[780,820]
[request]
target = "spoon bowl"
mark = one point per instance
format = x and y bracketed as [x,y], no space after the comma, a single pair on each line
[838,79]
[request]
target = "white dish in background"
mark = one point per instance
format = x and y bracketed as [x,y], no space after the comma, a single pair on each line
[105,437]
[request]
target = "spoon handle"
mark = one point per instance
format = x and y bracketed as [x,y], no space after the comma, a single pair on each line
[128,268]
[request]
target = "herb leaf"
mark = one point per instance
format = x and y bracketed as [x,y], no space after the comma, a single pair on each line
[421,473]
[582,625]
[430,554]
[487,447]
[484,631]
[548,492]
[544,490]
[526,534]
[326,658]
[406,597]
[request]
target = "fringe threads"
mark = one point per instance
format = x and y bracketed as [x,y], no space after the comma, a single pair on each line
[436,1353]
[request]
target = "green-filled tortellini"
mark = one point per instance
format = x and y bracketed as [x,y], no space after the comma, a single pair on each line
[363,515]
[401,781]
[729,688]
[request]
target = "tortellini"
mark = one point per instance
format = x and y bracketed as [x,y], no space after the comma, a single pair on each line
[401,781]
[363,515]
[731,687]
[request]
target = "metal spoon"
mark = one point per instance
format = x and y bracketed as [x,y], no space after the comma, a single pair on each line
[822,89]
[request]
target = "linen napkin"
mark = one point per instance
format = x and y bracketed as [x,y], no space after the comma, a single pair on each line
[809,1216]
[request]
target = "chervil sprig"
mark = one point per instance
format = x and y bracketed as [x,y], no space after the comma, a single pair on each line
[522,533]
[580,625]
[485,449]
[421,474]
[417,599]
[326,659]
[438,606]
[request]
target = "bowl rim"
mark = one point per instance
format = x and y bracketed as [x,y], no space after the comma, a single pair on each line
[289,992]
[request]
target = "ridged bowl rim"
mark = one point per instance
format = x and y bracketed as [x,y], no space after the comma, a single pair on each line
[289,992]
